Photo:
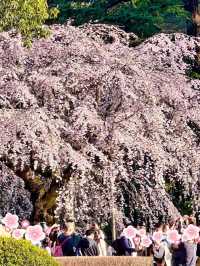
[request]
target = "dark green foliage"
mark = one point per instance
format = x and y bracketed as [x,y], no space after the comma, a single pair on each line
[144,17]
[21,253]
[193,74]
[176,191]
[194,66]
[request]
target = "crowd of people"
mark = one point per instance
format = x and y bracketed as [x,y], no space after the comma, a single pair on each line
[66,242]
[173,244]
[176,243]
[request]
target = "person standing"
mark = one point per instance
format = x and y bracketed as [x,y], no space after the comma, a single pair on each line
[87,245]
[101,243]
[178,254]
[167,246]
[69,240]
[191,253]
[100,239]
[158,254]
[123,246]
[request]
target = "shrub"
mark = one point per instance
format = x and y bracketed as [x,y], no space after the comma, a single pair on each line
[194,66]
[22,252]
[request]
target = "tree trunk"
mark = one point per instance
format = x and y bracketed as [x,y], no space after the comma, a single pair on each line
[196,21]
[193,27]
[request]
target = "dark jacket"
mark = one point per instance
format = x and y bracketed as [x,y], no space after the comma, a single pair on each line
[88,247]
[69,244]
[179,255]
[122,246]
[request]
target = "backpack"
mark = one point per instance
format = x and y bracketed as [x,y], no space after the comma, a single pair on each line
[57,249]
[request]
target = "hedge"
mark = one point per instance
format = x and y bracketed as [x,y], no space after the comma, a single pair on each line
[22,253]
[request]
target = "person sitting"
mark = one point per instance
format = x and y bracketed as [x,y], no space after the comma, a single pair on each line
[87,245]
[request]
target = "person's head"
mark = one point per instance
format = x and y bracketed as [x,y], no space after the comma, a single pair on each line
[157,244]
[159,227]
[165,228]
[126,222]
[175,245]
[94,226]
[191,220]
[171,224]
[69,228]
[45,242]
[97,235]
[54,233]
[90,233]
[55,228]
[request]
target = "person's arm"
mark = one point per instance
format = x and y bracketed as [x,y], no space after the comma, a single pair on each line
[97,251]
[78,249]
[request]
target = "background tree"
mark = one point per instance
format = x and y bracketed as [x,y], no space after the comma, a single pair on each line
[143,17]
[26,17]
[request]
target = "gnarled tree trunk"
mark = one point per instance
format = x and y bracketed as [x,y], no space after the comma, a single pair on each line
[196,20]
[193,6]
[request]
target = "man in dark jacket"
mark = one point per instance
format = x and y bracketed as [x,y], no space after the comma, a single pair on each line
[123,246]
[87,246]
[178,254]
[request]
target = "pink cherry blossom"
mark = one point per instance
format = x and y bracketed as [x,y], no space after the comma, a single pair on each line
[25,224]
[173,236]
[142,232]
[146,242]
[157,236]
[192,232]
[35,234]
[130,232]
[18,233]
[137,240]
[184,237]
[11,221]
